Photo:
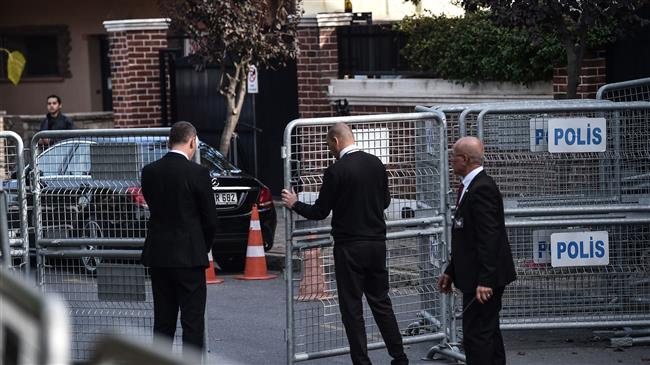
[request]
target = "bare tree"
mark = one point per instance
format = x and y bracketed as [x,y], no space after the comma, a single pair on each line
[236,34]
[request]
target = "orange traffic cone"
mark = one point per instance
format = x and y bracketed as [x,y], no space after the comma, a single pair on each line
[255,260]
[313,285]
[210,276]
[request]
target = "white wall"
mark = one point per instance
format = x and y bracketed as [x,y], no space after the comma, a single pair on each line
[382,10]
[84,20]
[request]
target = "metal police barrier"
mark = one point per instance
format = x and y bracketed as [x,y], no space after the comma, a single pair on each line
[413,149]
[632,90]
[90,224]
[34,328]
[575,181]
[461,121]
[12,169]
[566,155]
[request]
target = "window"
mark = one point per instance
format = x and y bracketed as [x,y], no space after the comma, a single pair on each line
[46,50]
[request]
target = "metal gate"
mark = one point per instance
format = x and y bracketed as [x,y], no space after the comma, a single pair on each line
[90,225]
[413,148]
[12,170]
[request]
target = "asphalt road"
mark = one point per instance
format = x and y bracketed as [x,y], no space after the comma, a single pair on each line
[246,321]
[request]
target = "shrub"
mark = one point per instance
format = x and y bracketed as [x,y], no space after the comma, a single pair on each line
[473,49]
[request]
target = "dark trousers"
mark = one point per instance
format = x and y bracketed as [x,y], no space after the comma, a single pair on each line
[482,339]
[181,289]
[361,269]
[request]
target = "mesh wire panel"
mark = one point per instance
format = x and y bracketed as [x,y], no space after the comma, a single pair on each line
[13,180]
[115,298]
[413,271]
[89,191]
[568,296]
[617,291]
[620,175]
[634,90]
[90,186]
[411,151]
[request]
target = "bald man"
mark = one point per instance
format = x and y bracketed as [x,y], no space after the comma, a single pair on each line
[481,263]
[355,189]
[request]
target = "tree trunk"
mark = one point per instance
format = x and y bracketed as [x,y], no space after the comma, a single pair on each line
[234,101]
[575,52]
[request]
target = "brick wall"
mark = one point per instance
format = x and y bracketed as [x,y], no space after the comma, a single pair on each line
[317,63]
[593,76]
[134,54]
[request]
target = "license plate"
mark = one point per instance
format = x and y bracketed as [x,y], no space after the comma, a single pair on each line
[225,198]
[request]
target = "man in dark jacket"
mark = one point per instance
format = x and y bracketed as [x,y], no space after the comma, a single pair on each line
[54,119]
[179,235]
[481,264]
[355,189]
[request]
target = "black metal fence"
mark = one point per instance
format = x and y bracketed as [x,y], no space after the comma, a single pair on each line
[371,50]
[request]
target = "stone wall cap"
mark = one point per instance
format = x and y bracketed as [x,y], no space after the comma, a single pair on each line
[333,19]
[409,92]
[73,116]
[308,21]
[136,24]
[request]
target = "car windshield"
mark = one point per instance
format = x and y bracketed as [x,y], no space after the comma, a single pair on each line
[83,158]
[67,158]
[214,161]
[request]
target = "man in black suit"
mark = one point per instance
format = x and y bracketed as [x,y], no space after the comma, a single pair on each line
[355,189]
[180,234]
[481,264]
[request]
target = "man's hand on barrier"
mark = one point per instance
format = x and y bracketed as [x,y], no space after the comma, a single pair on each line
[444,284]
[289,198]
[483,293]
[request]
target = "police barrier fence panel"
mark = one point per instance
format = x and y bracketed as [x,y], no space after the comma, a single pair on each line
[12,169]
[632,90]
[33,327]
[461,121]
[90,224]
[591,154]
[413,148]
[575,182]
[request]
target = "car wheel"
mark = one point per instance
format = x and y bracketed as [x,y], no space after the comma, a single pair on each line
[231,262]
[91,230]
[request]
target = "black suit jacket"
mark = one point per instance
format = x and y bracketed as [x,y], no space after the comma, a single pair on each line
[480,250]
[183,213]
[355,189]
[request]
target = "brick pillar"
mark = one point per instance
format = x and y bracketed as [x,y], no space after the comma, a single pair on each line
[134,46]
[593,75]
[318,62]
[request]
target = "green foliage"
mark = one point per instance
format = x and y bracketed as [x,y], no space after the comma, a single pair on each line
[473,49]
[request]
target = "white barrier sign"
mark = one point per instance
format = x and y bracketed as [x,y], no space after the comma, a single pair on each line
[538,135]
[580,249]
[542,246]
[577,135]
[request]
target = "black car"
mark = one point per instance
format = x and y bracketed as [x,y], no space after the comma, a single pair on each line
[91,188]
